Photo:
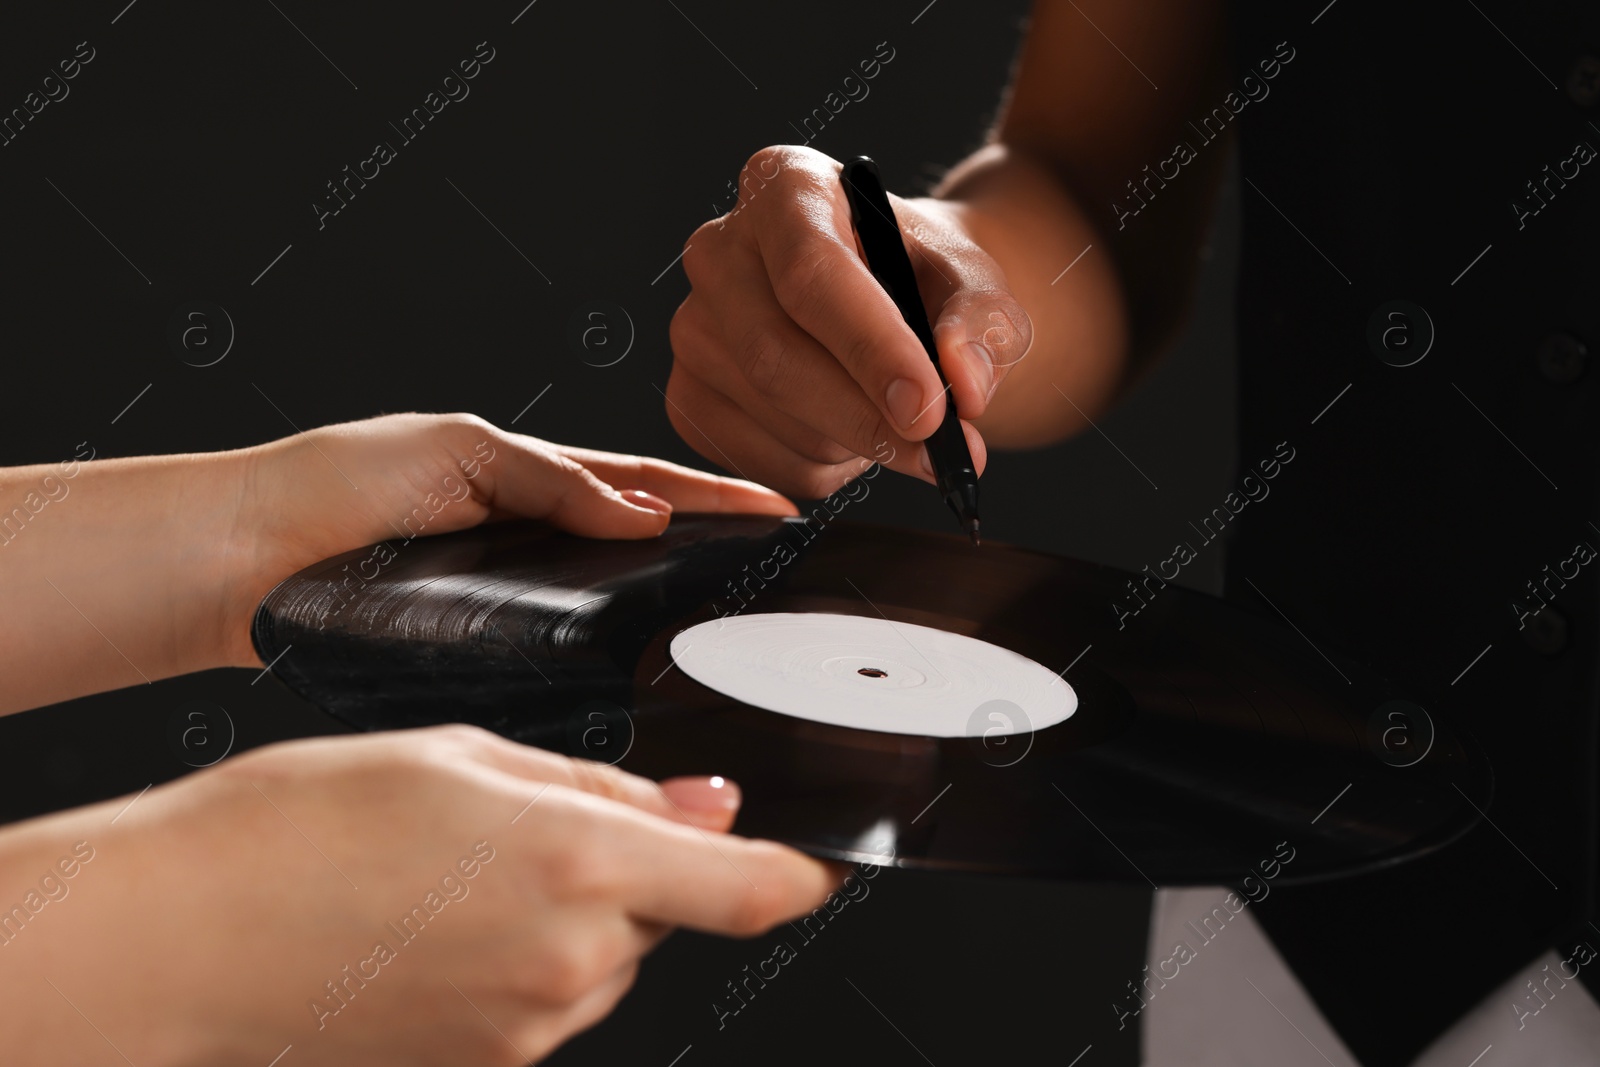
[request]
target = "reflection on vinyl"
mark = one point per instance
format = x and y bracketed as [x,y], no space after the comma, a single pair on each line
[883,696]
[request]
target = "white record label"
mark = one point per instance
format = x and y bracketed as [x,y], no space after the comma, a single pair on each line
[873,674]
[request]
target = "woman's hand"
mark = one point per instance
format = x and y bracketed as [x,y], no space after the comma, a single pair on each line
[437,896]
[123,571]
[305,498]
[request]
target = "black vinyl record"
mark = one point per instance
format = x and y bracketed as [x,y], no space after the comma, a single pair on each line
[1203,738]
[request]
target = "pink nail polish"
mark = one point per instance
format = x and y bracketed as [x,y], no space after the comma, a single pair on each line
[714,798]
[649,501]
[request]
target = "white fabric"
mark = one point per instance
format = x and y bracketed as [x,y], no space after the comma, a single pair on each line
[1234,1003]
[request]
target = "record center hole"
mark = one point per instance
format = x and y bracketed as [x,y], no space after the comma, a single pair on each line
[872,672]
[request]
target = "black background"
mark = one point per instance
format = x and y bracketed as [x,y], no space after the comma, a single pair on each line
[187,156]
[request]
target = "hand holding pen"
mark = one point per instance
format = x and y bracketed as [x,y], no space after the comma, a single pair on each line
[884,249]
[792,362]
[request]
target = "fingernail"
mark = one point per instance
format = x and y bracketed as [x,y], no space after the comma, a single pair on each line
[904,398]
[926,464]
[649,501]
[709,803]
[982,362]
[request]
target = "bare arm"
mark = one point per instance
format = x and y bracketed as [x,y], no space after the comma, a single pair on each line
[120,572]
[791,362]
[1081,122]
[457,876]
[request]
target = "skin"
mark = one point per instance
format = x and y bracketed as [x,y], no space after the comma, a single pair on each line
[211,911]
[251,517]
[791,362]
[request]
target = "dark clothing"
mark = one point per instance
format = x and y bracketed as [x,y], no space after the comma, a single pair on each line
[1401,141]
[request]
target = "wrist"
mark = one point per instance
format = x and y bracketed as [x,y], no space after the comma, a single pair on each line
[237,550]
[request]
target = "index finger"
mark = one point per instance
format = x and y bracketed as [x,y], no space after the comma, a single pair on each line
[684,488]
[808,247]
[715,883]
[724,883]
[709,801]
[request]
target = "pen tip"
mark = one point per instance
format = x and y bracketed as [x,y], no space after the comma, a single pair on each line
[972,530]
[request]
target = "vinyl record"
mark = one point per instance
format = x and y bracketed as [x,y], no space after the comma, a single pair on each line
[892,697]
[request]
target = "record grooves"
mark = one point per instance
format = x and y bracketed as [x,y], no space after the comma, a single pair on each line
[1202,735]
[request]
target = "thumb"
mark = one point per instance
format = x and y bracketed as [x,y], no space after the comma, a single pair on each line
[535,481]
[981,334]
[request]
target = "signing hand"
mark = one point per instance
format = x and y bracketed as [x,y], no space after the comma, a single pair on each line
[792,363]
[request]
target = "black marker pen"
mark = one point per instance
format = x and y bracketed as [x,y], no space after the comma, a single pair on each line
[885,251]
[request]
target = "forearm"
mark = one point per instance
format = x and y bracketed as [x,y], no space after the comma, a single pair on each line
[114,574]
[1076,152]
[63,950]
[1059,269]
[124,571]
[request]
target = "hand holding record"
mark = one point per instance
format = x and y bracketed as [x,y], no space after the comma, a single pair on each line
[421,475]
[375,900]
[996,720]
[169,555]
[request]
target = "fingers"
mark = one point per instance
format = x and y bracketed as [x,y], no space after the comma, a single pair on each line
[702,346]
[541,768]
[975,446]
[535,480]
[979,329]
[718,883]
[649,935]
[683,488]
[664,868]
[710,803]
[760,455]
[647,844]
[603,494]
[753,353]
[699,339]
[787,327]
[807,245]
